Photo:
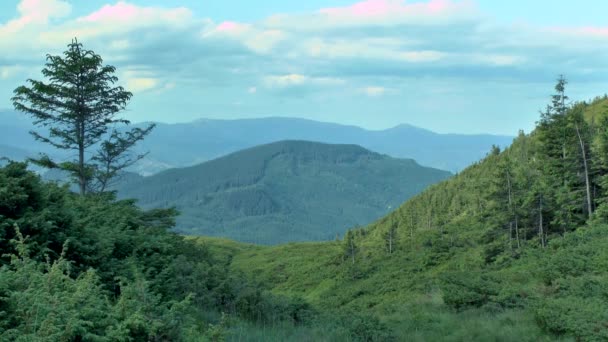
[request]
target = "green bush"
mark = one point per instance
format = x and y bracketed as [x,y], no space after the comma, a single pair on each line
[462,290]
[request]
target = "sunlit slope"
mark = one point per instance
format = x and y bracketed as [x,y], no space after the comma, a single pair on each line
[597,109]
[456,269]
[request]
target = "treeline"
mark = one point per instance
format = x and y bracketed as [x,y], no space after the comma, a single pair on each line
[544,185]
[523,229]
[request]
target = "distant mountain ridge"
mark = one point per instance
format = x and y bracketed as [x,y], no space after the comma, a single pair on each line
[187,144]
[284,191]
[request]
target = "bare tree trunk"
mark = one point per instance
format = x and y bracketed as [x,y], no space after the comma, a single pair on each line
[511,235]
[517,232]
[82,178]
[540,221]
[512,209]
[587,182]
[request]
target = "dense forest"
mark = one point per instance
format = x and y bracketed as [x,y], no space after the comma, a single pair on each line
[511,248]
[282,192]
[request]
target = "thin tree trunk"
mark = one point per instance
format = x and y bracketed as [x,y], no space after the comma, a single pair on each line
[512,209]
[540,221]
[511,235]
[517,232]
[81,169]
[587,182]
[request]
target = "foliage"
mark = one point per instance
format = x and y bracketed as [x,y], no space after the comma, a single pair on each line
[95,268]
[78,106]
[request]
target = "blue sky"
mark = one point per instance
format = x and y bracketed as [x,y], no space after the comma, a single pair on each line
[446,65]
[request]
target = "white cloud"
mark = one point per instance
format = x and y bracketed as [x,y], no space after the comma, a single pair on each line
[500,60]
[361,49]
[40,11]
[141,84]
[374,91]
[285,80]
[141,80]
[381,13]
[256,39]
[293,80]
[33,17]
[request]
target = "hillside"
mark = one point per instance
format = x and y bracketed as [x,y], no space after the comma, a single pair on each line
[188,144]
[495,253]
[284,191]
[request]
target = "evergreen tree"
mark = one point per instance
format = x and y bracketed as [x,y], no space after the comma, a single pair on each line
[504,198]
[563,162]
[600,167]
[76,108]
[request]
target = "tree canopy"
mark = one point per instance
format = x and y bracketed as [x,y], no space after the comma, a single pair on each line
[76,107]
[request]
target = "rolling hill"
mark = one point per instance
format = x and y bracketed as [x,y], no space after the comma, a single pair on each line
[284,191]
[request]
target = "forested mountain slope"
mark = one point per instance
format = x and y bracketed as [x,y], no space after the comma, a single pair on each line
[284,191]
[514,248]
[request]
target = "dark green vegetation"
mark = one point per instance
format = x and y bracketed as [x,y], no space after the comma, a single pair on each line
[187,144]
[282,192]
[90,268]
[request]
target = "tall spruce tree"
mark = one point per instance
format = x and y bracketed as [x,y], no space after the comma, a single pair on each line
[563,162]
[76,107]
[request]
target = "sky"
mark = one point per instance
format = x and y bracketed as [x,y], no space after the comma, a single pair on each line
[470,66]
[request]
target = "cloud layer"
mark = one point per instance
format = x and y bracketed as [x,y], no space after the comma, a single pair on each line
[374,48]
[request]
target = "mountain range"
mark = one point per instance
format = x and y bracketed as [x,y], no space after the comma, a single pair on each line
[187,144]
[283,192]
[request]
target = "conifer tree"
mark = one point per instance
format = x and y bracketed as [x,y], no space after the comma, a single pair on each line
[76,107]
[600,167]
[562,162]
[505,198]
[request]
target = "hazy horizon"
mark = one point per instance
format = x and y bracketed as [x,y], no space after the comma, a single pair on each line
[466,67]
